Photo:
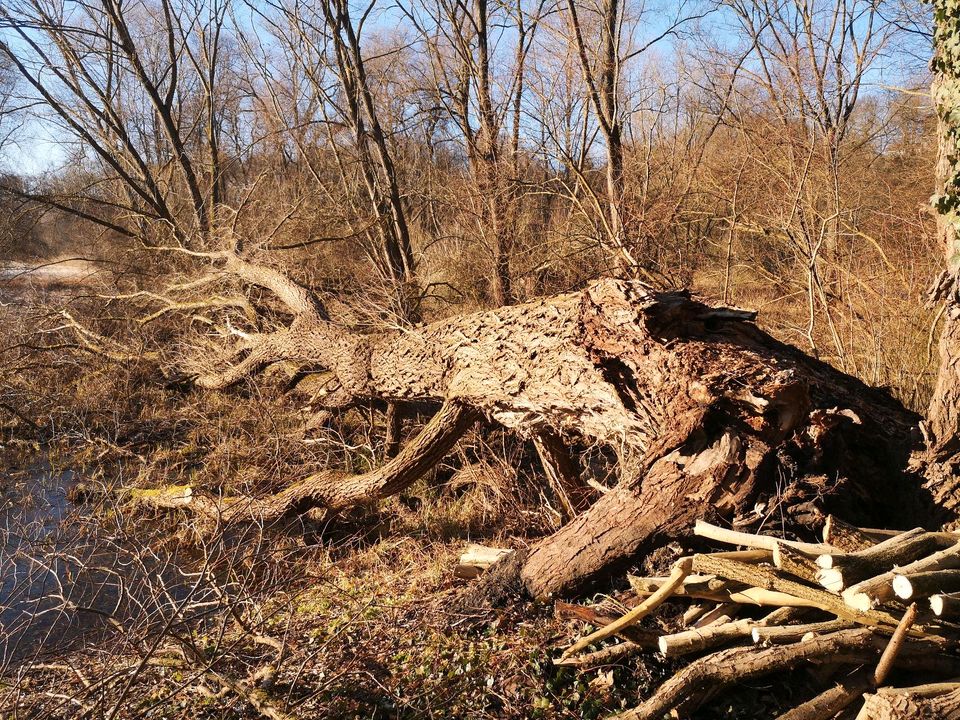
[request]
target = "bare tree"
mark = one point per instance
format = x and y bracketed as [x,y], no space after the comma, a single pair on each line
[801,78]
[324,44]
[462,40]
[121,84]
[944,411]
[609,26]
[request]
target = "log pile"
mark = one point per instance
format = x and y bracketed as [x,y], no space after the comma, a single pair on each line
[873,610]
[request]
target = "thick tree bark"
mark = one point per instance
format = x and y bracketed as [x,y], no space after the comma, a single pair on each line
[944,412]
[707,414]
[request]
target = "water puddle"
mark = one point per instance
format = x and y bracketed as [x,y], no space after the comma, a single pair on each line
[66,576]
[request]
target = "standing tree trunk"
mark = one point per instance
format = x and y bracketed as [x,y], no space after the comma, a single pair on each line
[944,412]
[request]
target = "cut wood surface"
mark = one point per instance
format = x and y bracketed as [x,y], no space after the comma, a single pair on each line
[477,558]
[945,605]
[873,592]
[925,584]
[840,571]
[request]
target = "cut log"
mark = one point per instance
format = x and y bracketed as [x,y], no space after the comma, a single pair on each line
[839,572]
[945,605]
[709,587]
[873,592]
[692,586]
[693,613]
[704,638]
[715,635]
[925,584]
[790,560]
[703,678]
[728,610]
[833,701]
[785,634]
[477,558]
[845,536]
[764,576]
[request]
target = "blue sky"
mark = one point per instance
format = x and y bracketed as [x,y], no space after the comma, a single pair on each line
[39,146]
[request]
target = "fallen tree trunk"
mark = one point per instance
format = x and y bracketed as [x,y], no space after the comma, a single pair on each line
[703,409]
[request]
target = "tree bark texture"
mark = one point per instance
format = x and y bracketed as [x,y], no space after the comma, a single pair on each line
[708,414]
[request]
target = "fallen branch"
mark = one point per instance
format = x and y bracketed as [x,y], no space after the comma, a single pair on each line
[893,648]
[764,576]
[680,570]
[703,678]
[832,701]
[762,542]
[715,635]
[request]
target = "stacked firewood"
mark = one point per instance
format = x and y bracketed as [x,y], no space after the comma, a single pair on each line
[866,606]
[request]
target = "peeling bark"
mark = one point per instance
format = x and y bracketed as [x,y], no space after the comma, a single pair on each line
[707,413]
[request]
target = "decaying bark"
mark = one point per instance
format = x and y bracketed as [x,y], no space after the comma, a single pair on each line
[706,412]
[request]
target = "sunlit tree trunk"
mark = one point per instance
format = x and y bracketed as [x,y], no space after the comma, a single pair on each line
[944,411]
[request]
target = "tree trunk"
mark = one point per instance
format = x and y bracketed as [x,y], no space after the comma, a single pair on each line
[944,411]
[708,415]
